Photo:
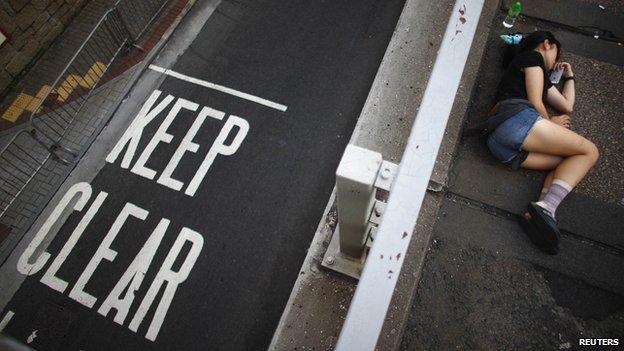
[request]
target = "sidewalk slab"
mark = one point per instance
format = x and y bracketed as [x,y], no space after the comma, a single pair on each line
[599,50]
[484,284]
[465,223]
[51,63]
[594,209]
[581,14]
[484,287]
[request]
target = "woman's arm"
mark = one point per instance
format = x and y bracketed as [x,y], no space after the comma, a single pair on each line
[534,82]
[563,101]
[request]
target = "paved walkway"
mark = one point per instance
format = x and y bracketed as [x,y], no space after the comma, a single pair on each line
[484,285]
[15,106]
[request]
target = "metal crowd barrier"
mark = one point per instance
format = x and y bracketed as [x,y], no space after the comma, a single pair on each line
[116,31]
[20,161]
[138,15]
[60,105]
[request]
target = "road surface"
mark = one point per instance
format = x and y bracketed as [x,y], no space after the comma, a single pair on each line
[193,233]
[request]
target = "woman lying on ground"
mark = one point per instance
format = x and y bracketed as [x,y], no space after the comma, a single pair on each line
[524,135]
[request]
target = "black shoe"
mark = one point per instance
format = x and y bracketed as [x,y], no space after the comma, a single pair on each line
[535,236]
[546,226]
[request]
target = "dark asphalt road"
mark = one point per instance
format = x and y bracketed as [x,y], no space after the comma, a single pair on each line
[256,209]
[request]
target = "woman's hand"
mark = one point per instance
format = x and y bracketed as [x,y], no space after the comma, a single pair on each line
[562,120]
[567,68]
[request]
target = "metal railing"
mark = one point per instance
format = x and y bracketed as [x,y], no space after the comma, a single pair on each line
[115,32]
[61,107]
[20,161]
[73,87]
[138,15]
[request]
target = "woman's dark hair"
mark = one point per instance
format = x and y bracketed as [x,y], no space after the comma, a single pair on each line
[530,42]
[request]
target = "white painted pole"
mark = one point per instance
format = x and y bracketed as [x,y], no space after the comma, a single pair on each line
[372,298]
[355,191]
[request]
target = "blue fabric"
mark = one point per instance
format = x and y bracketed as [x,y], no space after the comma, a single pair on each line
[507,138]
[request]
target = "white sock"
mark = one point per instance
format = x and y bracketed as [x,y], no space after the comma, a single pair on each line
[557,192]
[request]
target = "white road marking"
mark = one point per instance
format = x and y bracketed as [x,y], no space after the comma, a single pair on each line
[6,319]
[49,278]
[220,148]
[32,336]
[132,137]
[166,275]
[23,264]
[220,88]
[104,252]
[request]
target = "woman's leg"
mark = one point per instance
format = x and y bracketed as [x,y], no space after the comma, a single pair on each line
[579,154]
[541,162]
[547,183]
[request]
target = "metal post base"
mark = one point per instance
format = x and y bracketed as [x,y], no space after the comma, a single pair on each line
[339,262]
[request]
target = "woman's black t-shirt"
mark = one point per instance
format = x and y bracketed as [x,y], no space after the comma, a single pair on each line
[513,86]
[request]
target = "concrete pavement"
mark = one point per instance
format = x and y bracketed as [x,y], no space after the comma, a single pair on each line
[484,285]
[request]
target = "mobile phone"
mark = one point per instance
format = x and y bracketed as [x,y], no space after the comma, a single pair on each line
[555,76]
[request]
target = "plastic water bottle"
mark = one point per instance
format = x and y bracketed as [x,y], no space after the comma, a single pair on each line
[512,14]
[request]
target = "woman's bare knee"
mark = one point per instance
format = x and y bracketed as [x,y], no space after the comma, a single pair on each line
[593,152]
[588,148]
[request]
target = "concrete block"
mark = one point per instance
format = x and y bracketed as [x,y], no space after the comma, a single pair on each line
[40,4]
[17,64]
[54,6]
[65,13]
[26,16]
[17,5]
[54,31]
[23,58]
[40,20]
[75,2]
[7,52]
[19,41]
[8,24]
[47,27]
[5,6]
[5,80]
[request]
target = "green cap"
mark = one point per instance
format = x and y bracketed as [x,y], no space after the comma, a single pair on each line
[515,9]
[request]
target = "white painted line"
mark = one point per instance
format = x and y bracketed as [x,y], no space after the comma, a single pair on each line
[32,336]
[374,291]
[6,319]
[220,88]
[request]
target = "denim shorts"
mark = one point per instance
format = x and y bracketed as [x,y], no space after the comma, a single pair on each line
[507,138]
